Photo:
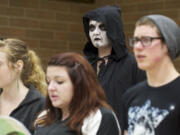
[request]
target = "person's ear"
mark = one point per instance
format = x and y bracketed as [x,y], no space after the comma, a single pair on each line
[165,48]
[19,65]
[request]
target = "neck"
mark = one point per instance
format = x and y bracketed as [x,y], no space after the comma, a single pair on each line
[163,73]
[11,97]
[16,90]
[65,114]
[104,51]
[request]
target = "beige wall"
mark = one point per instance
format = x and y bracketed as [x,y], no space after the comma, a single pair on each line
[53,26]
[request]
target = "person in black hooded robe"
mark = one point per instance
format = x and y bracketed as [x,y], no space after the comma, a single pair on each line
[107,52]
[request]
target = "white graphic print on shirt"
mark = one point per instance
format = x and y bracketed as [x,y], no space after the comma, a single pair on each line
[143,120]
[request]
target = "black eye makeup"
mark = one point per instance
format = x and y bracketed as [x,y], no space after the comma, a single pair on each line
[102,27]
[91,27]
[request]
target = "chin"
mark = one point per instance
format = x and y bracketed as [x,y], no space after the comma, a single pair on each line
[96,45]
[56,105]
[100,45]
[142,66]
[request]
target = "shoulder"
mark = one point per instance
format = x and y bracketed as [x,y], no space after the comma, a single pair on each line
[35,94]
[134,91]
[138,86]
[107,114]
[102,121]
[57,127]
[92,122]
[34,99]
[109,123]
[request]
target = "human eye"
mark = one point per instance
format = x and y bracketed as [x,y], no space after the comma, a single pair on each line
[146,40]
[91,27]
[135,40]
[102,27]
[60,82]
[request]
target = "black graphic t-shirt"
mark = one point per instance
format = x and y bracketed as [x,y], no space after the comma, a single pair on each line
[150,110]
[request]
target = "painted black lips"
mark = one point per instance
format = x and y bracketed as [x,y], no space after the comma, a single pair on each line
[97,39]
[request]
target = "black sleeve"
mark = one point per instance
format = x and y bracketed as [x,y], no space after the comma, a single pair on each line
[109,125]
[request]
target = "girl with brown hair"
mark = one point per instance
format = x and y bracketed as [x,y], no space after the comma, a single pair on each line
[76,103]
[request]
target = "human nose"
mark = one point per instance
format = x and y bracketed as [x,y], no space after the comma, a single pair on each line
[51,86]
[97,31]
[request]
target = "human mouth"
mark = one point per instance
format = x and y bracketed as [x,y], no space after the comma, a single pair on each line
[53,97]
[97,39]
[140,57]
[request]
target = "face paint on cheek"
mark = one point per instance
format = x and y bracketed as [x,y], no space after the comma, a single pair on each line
[101,41]
[97,34]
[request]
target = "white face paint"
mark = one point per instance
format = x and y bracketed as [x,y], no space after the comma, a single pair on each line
[97,34]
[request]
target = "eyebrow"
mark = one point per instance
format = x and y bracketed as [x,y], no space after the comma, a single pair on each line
[56,77]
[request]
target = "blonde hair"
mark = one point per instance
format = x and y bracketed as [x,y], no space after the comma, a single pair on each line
[32,72]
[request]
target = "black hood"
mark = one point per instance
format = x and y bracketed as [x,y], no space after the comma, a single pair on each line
[110,16]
